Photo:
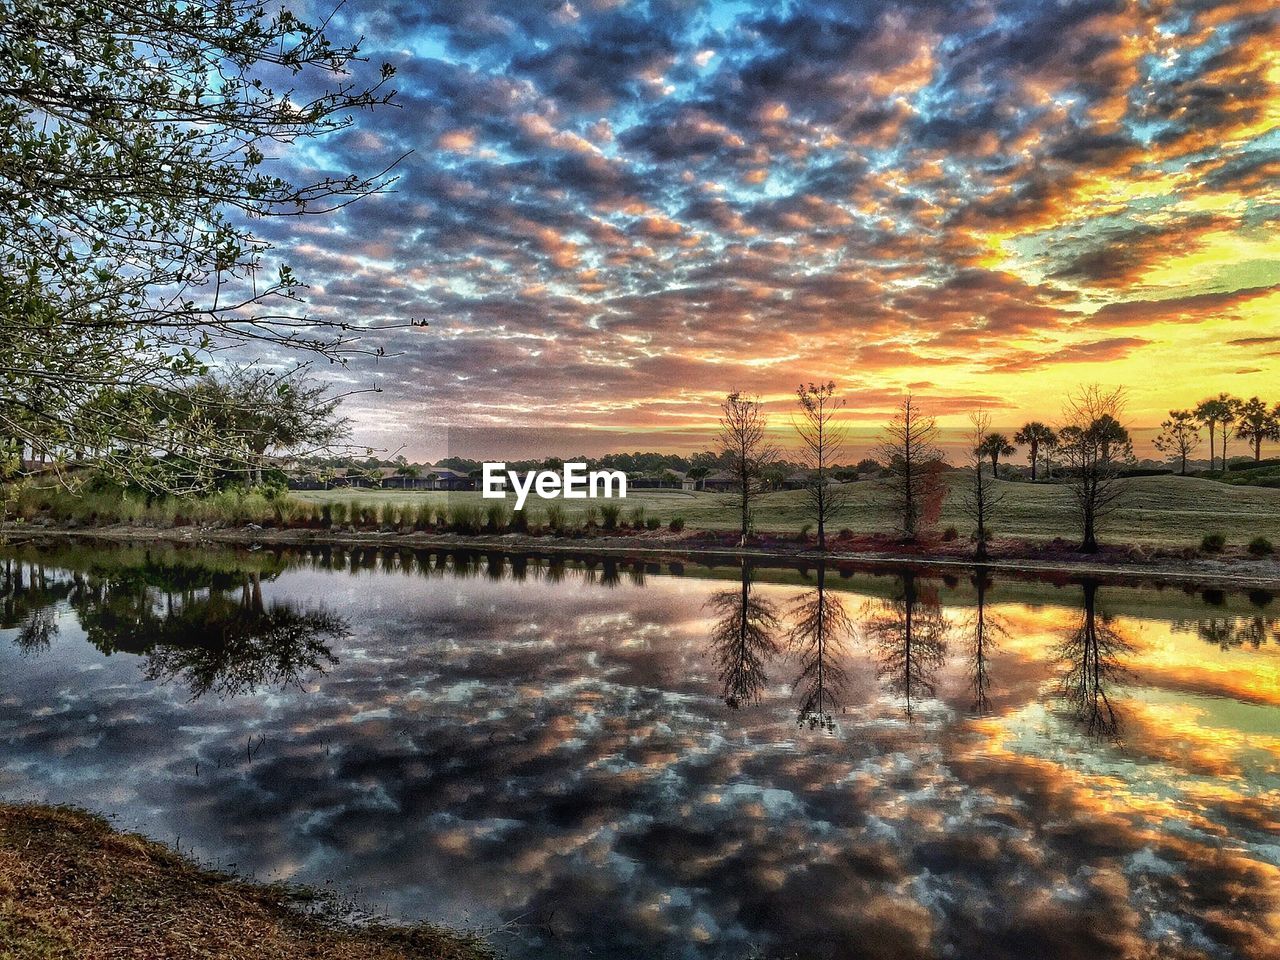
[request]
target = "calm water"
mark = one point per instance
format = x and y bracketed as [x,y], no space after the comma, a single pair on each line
[613,761]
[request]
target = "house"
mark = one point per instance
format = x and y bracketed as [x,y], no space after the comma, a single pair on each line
[718,481]
[798,480]
[662,480]
[445,478]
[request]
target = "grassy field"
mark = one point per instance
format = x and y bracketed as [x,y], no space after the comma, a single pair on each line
[1159,511]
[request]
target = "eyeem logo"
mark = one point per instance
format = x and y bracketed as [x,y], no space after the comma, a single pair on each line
[573,483]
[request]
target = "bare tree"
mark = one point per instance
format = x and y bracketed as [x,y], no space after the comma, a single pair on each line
[1179,436]
[1093,655]
[985,631]
[1095,447]
[908,450]
[910,639]
[982,498]
[742,433]
[743,640]
[1257,424]
[820,629]
[822,440]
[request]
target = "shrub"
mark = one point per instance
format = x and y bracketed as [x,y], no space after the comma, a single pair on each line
[326,514]
[845,533]
[591,516]
[389,515]
[355,513]
[804,532]
[609,514]
[637,516]
[1213,543]
[676,524]
[1261,547]
[556,519]
[653,523]
[951,533]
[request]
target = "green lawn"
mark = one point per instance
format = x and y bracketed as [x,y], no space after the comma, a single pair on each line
[1164,511]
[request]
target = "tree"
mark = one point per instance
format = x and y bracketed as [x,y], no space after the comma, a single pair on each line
[742,433]
[912,459]
[743,640]
[1219,411]
[258,411]
[986,631]
[1179,436]
[995,446]
[909,637]
[1257,424]
[1033,435]
[140,144]
[981,499]
[821,441]
[820,629]
[1093,654]
[1095,447]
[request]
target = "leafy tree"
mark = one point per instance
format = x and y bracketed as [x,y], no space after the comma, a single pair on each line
[1257,424]
[1179,436]
[908,448]
[136,139]
[821,440]
[742,432]
[1095,447]
[1033,435]
[995,446]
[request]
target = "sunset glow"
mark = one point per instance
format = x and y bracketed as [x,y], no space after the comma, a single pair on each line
[616,212]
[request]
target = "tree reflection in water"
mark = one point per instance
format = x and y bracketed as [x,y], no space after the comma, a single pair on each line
[210,629]
[984,631]
[743,639]
[820,627]
[908,635]
[1093,655]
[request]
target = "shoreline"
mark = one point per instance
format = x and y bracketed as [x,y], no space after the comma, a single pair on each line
[1019,558]
[71,884]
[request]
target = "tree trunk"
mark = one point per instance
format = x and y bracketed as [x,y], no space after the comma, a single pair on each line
[1213,452]
[1035,450]
[1257,447]
[995,464]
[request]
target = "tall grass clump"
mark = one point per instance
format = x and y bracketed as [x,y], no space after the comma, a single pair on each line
[591,517]
[422,517]
[465,518]
[609,515]
[637,517]
[496,519]
[557,520]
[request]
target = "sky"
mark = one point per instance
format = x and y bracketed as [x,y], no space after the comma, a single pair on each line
[615,212]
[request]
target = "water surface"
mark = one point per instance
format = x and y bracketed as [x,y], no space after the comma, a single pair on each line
[609,760]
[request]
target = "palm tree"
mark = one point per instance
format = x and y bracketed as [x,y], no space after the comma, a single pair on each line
[1033,435]
[995,446]
[1257,424]
[1231,413]
[1210,413]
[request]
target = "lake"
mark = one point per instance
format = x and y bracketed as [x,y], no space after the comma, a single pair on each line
[599,758]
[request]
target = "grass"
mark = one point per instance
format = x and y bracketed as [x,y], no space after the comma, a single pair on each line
[1158,512]
[71,886]
[1164,511]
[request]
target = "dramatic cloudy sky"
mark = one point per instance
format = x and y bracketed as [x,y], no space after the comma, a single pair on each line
[616,210]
